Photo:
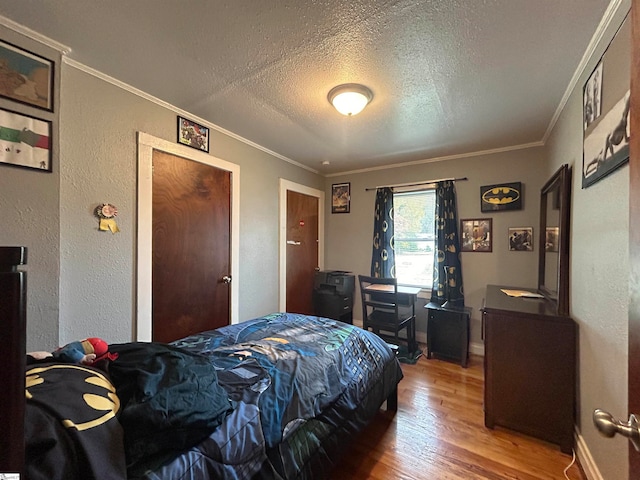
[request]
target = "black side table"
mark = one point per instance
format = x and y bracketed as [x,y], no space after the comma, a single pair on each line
[448,332]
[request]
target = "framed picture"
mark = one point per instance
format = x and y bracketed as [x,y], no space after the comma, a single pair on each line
[476,235]
[551,239]
[27,77]
[521,239]
[606,102]
[340,197]
[501,197]
[25,141]
[193,134]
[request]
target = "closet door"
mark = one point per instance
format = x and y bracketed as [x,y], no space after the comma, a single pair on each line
[191,247]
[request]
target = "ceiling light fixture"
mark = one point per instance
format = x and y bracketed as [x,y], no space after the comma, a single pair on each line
[350,98]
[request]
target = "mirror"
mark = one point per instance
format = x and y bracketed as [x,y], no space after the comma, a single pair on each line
[553,263]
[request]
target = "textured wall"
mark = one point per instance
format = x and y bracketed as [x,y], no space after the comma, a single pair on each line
[99,122]
[599,276]
[29,209]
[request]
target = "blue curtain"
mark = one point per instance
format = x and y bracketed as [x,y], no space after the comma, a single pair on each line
[447,269]
[383,258]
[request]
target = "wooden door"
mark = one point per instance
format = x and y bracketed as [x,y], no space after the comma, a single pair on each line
[302,251]
[634,234]
[190,247]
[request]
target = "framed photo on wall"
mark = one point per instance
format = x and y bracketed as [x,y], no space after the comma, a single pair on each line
[606,107]
[476,235]
[341,197]
[193,134]
[521,239]
[27,77]
[25,141]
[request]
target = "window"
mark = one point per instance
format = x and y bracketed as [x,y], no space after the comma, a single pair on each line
[414,237]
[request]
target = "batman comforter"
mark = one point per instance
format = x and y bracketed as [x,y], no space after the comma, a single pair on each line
[277,397]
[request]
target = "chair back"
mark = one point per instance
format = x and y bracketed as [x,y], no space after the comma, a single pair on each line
[378,294]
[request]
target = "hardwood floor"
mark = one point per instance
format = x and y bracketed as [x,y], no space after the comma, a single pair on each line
[438,433]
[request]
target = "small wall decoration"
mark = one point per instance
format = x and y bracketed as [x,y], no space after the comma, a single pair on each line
[193,134]
[107,213]
[476,235]
[504,196]
[25,141]
[26,77]
[340,197]
[521,239]
[606,103]
[551,239]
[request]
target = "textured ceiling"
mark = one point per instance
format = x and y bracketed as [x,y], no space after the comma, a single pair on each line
[449,77]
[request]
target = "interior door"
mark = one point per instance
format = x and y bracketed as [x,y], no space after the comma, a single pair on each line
[302,251]
[634,233]
[190,247]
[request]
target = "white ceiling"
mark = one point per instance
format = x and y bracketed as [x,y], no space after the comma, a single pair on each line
[449,77]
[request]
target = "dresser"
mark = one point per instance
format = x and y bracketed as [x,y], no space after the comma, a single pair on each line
[529,367]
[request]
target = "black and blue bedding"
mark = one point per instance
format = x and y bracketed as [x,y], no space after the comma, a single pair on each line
[278,397]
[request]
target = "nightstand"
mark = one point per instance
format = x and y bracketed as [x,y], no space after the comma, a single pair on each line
[448,333]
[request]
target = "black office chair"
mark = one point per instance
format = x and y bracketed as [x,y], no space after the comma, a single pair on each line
[384,311]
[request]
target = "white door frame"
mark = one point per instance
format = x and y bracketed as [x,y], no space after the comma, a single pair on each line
[286,185]
[146,145]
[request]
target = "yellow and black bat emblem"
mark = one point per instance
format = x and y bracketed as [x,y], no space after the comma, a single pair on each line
[497,196]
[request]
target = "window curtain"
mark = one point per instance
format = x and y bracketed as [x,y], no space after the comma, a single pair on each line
[383,258]
[447,269]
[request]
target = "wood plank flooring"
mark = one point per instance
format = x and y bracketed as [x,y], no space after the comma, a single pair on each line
[438,433]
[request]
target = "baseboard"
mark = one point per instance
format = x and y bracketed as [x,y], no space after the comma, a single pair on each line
[586,460]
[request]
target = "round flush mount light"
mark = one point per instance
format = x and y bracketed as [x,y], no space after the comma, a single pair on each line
[350,98]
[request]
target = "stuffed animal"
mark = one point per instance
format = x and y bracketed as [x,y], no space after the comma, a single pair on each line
[86,352]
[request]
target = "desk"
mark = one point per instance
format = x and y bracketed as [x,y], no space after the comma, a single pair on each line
[407,295]
[448,332]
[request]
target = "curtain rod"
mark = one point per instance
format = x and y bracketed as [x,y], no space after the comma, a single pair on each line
[428,182]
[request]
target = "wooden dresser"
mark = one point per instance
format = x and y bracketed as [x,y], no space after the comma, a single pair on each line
[530,367]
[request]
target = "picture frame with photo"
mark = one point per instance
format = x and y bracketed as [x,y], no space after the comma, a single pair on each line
[25,141]
[521,239]
[341,197]
[28,77]
[193,134]
[476,235]
[551,239]
[606,115]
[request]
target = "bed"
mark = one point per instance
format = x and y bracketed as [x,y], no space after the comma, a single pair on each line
[281,396]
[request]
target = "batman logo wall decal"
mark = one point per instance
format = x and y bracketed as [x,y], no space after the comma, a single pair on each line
[505,196]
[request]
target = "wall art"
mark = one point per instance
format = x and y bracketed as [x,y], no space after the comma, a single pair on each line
[521,239]
[193,134]
[26,77]
[501,197]
[25,141]
[476,235]
[341,197]
[606,103]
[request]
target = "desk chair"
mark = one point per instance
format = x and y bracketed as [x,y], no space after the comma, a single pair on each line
[384,311]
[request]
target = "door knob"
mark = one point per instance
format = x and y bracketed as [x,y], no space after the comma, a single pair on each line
[226,279]
[608,426]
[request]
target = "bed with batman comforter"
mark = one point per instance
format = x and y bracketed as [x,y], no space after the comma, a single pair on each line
[277,397]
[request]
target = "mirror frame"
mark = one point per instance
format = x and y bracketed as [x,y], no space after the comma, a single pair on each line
[561,180]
